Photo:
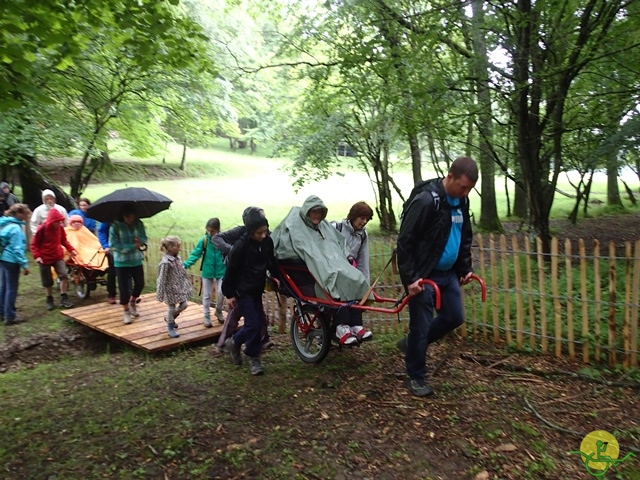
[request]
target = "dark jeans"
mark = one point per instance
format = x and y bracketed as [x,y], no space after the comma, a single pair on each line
[231,323]
[111,276]
[423,328]
[252,310]
[125,276]
[9,279]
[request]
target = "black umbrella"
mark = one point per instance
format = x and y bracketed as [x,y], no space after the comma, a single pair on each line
[146,202]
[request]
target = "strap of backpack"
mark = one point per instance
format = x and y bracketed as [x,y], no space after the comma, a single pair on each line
[204,251]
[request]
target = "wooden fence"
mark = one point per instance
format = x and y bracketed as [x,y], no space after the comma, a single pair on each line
[572,302]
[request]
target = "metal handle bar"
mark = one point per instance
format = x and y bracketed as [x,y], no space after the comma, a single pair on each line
[483,287]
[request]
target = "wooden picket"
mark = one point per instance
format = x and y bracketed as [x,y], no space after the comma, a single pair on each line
[524,285]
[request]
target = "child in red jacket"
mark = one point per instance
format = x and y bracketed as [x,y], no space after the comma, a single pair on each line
[46,248]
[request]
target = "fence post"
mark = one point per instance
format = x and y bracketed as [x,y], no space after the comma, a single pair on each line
[557,308]
[597,289]
[543,301]
[518,279]
[583,298]
[569,275]
[612,304]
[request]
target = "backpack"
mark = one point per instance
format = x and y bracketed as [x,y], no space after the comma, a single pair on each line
[420,187]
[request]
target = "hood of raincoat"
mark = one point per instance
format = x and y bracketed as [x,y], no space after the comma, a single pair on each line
[322,248]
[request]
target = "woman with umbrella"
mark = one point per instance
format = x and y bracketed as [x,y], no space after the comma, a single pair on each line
[128,239]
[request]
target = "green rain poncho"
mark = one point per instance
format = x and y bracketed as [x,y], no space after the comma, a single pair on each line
[322,248]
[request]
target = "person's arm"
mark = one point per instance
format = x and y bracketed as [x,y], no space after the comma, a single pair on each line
[362,261]
[142,233]
[163,270]
[103,235]
[412,226]
[223,241]
[65,243]
[35,220]
[232,274]
[196,253]
[116,243]
[35,244]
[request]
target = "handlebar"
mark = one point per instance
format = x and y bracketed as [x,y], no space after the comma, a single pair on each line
[436,290]
[483,287]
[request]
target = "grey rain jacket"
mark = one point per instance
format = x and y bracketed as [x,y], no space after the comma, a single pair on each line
[322,248]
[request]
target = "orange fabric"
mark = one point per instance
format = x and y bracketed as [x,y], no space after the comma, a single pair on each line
[90,253]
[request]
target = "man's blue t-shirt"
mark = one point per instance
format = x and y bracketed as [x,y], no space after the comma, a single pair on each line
[450,253]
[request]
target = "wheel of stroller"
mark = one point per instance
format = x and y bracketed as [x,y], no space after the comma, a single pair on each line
[78,281]
[82,289]
[310,333]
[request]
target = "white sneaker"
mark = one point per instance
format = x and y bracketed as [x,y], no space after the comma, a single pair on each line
[344,335]
[361,333]
[127,317]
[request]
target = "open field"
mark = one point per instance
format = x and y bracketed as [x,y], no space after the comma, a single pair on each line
[221,183]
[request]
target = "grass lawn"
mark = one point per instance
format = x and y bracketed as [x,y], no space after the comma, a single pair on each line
[222,183]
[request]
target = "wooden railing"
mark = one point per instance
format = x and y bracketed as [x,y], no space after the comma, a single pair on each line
[572,302]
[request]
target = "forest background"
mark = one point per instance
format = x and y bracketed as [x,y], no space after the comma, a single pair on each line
[533,90]
[544,94]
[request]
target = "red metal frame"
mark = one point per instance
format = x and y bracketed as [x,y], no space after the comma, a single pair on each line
[329,302]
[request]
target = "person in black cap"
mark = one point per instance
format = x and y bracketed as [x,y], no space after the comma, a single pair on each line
[244,280]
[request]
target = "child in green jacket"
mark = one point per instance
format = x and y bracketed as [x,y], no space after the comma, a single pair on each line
[212,267]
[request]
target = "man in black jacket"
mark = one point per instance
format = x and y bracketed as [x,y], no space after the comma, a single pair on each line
[435,243]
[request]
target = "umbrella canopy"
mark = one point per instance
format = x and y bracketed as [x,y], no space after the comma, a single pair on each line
[146,202]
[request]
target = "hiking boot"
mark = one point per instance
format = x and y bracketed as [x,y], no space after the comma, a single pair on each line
[255,366]
[50,305]
[233,350]
[419,388]
[133,309]
[111,300]
[361,333]
[207,321]
[402,345]
[65,302]
[127,317]
[267,345]
[220,317]
[344,335]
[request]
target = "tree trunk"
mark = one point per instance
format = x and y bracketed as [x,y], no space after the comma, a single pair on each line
[416,157]
[33,180]
[183,161]
[613,191]
[489,220]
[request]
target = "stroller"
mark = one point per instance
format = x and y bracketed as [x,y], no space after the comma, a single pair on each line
[88,269]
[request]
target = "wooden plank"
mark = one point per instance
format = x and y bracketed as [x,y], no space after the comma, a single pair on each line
[583,299]
[519,300]
[613,293]
[483,274]
[597,293]
[494,288]
[149,331]
[506,287]
[543,301]
[532,314]
[626,328]
[633,332]
[557,307]
[569,275]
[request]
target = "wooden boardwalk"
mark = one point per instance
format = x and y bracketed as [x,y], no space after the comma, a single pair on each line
[149,330]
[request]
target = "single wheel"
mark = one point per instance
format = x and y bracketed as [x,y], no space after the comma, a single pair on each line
[79,282]
[310,333]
